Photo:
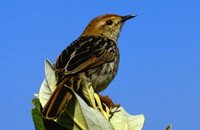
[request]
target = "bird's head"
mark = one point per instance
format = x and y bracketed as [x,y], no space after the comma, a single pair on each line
[108,25]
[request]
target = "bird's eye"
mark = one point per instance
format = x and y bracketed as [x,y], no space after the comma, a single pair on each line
[109,22]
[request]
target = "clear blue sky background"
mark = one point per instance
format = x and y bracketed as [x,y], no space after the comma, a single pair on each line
[159,73]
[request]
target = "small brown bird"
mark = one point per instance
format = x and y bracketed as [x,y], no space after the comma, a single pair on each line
[94,54]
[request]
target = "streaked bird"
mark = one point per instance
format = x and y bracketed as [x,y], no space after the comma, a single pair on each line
[94,54]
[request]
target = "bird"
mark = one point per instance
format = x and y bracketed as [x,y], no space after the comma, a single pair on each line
[94,55]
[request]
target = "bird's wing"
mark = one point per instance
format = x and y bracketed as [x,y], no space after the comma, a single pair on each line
[87,52]
[84,53]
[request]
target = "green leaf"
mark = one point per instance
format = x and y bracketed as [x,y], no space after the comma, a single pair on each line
[121,120]
[169,127]
[51,75]
[94,119]
[49,83]
[44,93]
[36,115]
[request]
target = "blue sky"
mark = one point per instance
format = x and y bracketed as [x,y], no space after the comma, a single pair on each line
[159,73]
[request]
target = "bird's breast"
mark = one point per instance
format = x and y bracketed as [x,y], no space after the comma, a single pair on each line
[102,76]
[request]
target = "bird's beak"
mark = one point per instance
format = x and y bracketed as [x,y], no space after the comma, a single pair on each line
[127,17]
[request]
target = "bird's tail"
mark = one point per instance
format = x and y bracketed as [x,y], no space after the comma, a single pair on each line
[59,99]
